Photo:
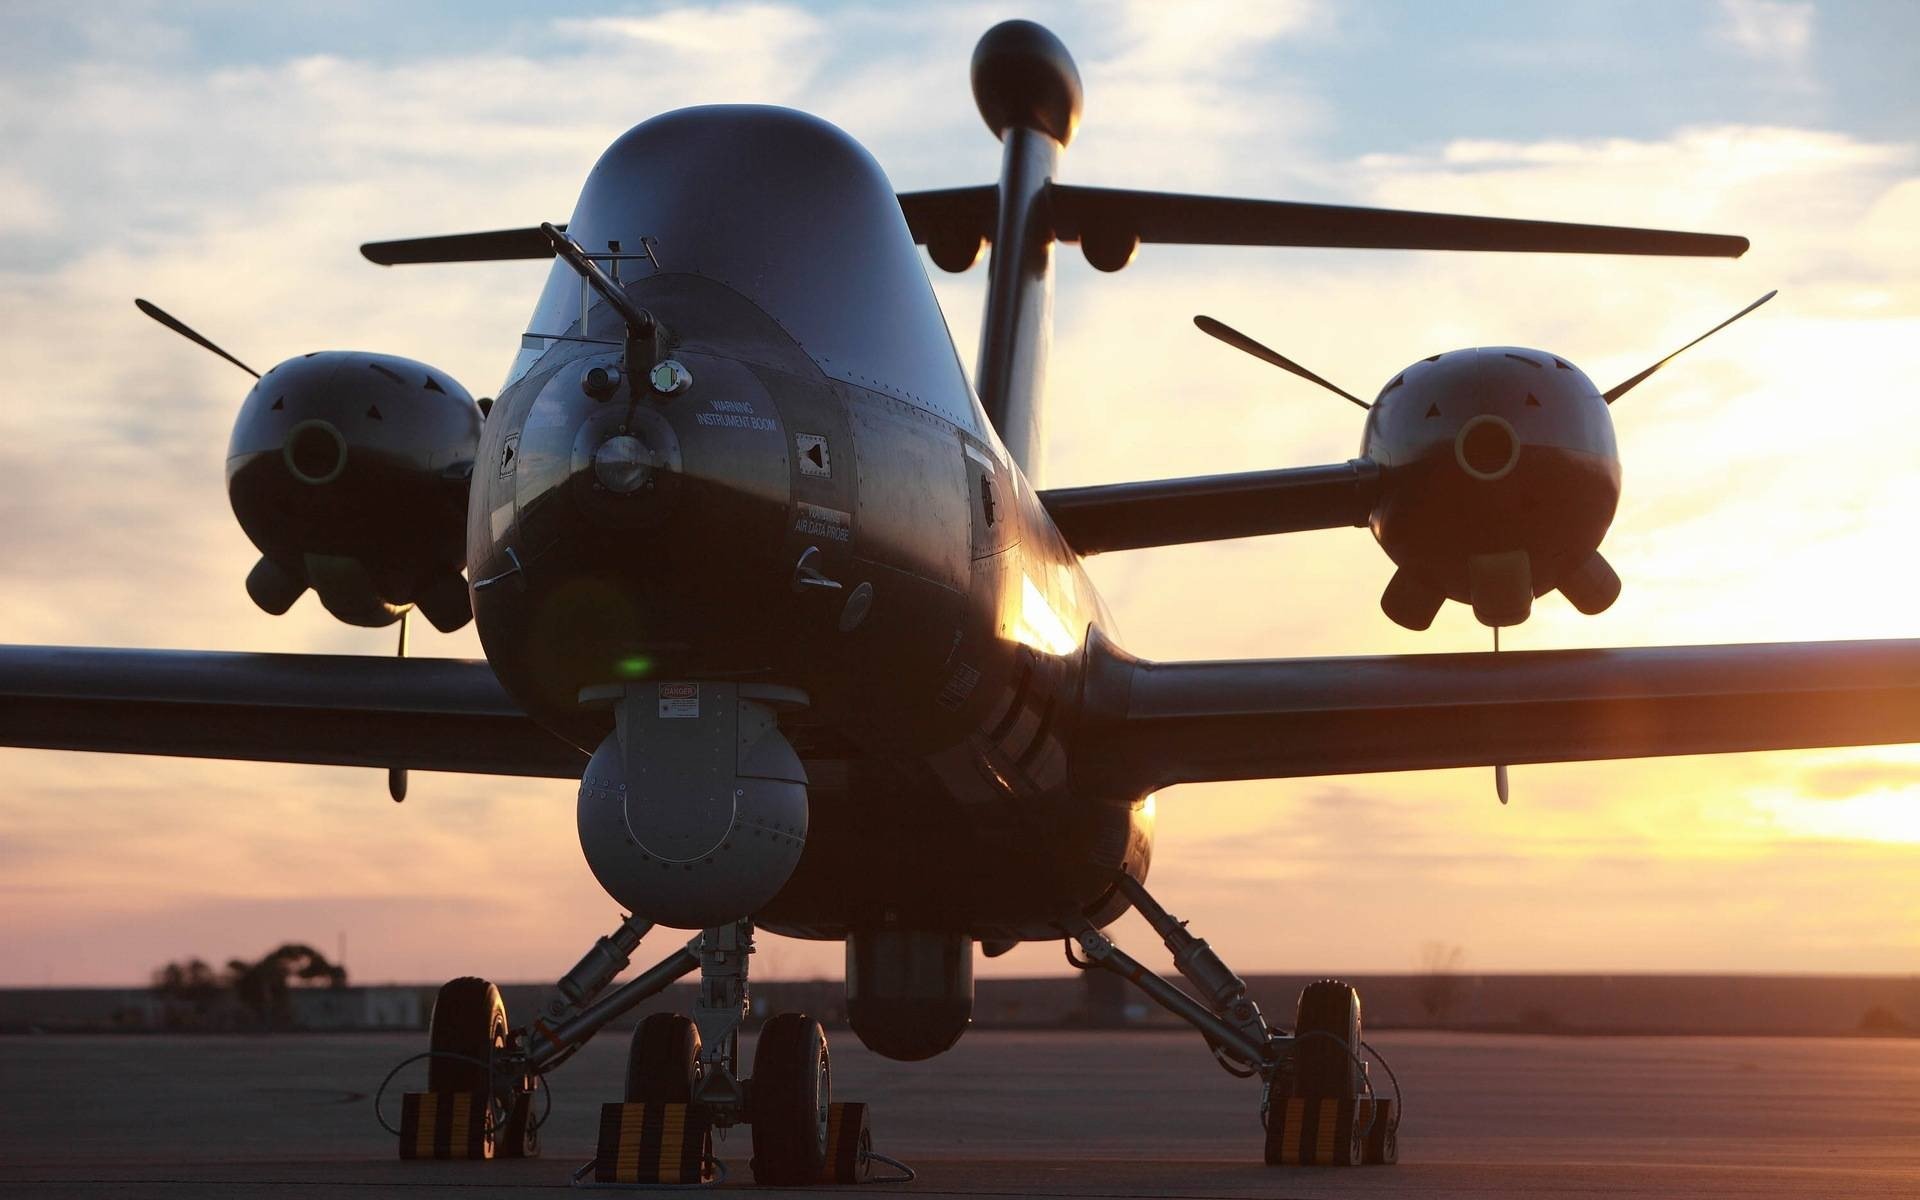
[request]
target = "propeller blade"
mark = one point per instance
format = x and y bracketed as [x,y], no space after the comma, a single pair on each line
[180,327]
[1240,341]
[1620,389]
[397,776]
[1501,787]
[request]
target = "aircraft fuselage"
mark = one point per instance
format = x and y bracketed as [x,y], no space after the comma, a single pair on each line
[815,501]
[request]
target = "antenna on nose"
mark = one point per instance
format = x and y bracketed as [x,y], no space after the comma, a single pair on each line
[642,329]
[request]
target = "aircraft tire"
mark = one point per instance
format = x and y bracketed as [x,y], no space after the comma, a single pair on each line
[469,1019]
[663,1060]
[1327,1020]
[790,1093]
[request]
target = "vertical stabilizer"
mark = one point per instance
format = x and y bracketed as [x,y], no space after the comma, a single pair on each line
[1029,93]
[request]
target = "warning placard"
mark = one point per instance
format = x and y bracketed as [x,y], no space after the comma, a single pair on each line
[679,700]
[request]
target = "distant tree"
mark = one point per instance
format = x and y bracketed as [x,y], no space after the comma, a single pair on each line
[192,985]
[192,981]
[263,986]
[1439,985]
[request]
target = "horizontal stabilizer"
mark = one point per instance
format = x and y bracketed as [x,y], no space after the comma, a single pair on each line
[492,246]
[1156,724]
[431,714]
[1207,508]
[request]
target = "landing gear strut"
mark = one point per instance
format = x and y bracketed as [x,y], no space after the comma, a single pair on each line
[482,1073]
[1317,1105]
[683,1077]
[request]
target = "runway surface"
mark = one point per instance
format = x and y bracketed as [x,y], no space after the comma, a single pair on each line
[1009,1114]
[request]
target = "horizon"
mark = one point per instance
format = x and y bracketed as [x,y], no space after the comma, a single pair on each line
[227,164]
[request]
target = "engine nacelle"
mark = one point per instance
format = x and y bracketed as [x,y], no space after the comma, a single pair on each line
[1499,478]
[909,992]
[349,473]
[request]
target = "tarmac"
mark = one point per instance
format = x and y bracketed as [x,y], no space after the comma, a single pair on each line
[1124,1114]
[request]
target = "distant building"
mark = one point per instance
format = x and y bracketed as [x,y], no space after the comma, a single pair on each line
[358,1007]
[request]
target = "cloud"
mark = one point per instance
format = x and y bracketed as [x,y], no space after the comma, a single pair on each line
[1188,96]
[730,29]
[1768,471]
[1851,779]
[1768,31]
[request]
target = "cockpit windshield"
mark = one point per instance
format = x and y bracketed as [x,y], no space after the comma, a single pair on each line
[791,213]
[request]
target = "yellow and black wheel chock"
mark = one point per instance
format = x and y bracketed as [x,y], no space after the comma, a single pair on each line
[671,1145]
[653,1143]
[849,1145]
[446,1125]
[1331,1131]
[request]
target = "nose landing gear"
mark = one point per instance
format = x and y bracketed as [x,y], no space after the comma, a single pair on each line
[792,1101]
[1318,1106]
[682,1079]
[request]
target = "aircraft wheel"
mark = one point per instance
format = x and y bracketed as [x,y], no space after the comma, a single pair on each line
[1327,1022]
[789,1098]
[469,1019]
[663,1061]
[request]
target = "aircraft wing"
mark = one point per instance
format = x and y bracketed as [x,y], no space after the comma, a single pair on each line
[966,215]
[1226,221]
[963,211]
[1120,214]
[1151,724]
[423,713]
[1205,508]
[493,245]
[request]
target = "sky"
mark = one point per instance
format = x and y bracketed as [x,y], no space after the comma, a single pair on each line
[226,161]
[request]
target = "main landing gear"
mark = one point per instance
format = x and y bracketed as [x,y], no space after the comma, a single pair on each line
[1317,1104]
[683,1079]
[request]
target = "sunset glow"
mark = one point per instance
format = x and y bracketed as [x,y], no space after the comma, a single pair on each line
[227,163]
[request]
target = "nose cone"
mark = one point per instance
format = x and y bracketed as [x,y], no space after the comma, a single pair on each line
[652,528]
